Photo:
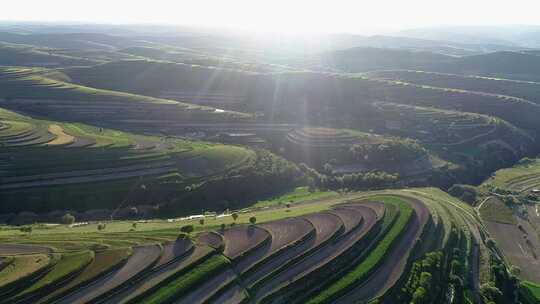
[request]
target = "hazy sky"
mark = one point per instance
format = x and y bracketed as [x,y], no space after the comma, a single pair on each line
[280,15]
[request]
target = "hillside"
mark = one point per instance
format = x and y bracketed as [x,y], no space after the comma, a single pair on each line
[528,90]
[513,65]
[456,124]
[24,55]
[183,82]
[70,40]
[366,59]
[501,64]
[363,246]
[46,93]
[508,203]
[283,95]
[49,165]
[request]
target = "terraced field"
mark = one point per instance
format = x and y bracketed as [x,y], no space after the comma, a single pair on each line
[523,177]
[475,127]
[41,162]
[354,248]
[144,169]
[43,92]
[327,137]
[498,86]
[351,151]
[440,128]
[509,208]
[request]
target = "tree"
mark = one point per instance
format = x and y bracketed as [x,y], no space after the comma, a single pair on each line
[419,295]
[252,220]
[26,229]
[222,227]
[490,292]
[187,229]
[201,222]
[234,216]
[328,168]
[134,225]
[425,280]
[68,219]
[101,226]
[515,270]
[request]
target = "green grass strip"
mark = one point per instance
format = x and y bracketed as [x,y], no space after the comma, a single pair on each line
[101,264]
[183,284]
[375,257]
[530,292]
[22,267]
[68,264]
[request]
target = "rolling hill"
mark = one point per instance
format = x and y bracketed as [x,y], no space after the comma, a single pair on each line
[360,102]
[24,55]
[502,64]
[358,248]
[70,40]
[46,93]
[49,165]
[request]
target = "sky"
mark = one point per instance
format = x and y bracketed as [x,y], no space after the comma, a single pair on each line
[294,16]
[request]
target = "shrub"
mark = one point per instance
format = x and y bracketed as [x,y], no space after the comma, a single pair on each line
[68,219]
[419,295]
[464,192]
[253,220]
[187,229]
[490,292]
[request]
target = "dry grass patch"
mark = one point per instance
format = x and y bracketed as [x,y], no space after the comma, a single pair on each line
[61,137]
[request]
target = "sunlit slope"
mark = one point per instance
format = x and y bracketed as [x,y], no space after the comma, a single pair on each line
[71,41]
[47,93]
[471,128]
[344,151]
[47,165]
[214,86]
[363,59]
[312,93]
[503,64]
[299,96]
[471,140]
[528,90]
[360,247]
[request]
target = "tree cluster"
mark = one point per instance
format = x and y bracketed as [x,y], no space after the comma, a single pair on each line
[391,151]
[364,180]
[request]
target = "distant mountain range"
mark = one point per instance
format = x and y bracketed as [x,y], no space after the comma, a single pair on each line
[524,36]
